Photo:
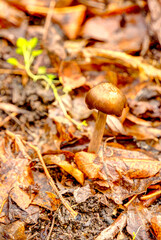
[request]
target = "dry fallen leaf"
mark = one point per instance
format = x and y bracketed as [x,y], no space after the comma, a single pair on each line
[10,16]
[155,14]
[114,228]
[15,174]
[81,194]
[156,225]
[126,172]
[70,75]
[14,230]
[115,125]
[120,32]
[75,16]
[76,173]
[138,222]
[126,60]
[88,164]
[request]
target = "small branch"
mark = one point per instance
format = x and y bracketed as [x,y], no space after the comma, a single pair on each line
[51,182]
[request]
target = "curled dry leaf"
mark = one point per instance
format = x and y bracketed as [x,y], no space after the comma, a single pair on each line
[128,37]
[138,222]
[76,173]
[123,59]
[75,16]
[15,173]
[142,132]
[70,75]
[115,125]
[156,225]
[138,121]
[125,175]
[10,16]
[89,165]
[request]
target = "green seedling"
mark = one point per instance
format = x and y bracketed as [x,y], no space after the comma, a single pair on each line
[26,48]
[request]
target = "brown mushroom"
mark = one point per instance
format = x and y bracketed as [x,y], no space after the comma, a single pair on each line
[107,99]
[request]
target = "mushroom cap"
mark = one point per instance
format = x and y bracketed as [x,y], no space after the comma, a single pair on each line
[106,98]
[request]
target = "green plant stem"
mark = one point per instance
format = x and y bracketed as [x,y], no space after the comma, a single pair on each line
[28,59]
[46,79]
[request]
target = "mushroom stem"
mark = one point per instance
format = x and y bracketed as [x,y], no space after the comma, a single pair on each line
[98,132]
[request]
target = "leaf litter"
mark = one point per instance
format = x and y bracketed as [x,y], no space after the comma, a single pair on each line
[51,187]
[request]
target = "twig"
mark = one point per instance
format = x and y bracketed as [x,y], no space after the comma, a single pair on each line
[34,235]
[52,225]
[48,19]
[7,119]
[130,201]
[51,182]
[148,196]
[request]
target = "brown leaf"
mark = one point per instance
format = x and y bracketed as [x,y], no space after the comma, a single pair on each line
[142,168]
[156,225]
[81,194]
[91,54]
[155,13]
[70,75]
[10,16]
[79,110]
[88,164]
[126,172]
[63,3]
[75,16]
[138,222]
[128,37]
[115,125]
[112,8]
[55,201]
[142,132]
[114,228]
[42,197]
[15,173]
[76,173]
[138,121]
[15,230]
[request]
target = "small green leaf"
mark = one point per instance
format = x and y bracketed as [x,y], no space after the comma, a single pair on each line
[19,51]
[67,89]
[84,123]
[32,43]
[21,42]
[51,76]
[36,53]
[41,70]
[12,61]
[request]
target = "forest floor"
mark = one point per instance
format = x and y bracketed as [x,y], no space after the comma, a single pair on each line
[52,53]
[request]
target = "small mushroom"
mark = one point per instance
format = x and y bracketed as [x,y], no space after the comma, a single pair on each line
[107,99]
